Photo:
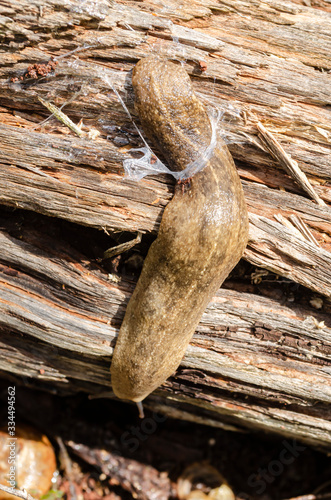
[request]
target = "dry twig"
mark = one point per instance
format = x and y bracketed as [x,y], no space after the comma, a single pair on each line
[17,493]
[291,166]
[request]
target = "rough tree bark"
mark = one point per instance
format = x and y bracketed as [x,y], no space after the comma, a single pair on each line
[257,360]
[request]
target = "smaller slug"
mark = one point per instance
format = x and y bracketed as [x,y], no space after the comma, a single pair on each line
[33,458]
[202,236]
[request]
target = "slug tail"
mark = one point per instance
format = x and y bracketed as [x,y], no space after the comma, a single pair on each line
[140,409]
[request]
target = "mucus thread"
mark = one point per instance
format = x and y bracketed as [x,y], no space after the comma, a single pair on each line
[137,168]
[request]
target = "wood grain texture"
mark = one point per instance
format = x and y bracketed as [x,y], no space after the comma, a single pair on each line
[251,65]
[103,199]
[254,362]
[58,317]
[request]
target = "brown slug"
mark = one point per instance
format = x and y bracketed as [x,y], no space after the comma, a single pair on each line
[27,461]
[202,236]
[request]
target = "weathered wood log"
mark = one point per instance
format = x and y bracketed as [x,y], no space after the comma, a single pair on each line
[255,361]
[106,200]
[82,180]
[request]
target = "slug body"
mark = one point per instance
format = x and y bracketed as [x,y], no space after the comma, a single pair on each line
[34,459]
[202,236]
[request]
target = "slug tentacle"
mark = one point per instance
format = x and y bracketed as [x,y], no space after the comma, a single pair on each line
[202,236]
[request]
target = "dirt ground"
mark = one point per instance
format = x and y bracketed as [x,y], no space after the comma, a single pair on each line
[112,453]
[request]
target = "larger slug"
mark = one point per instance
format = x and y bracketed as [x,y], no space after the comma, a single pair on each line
[202,235]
